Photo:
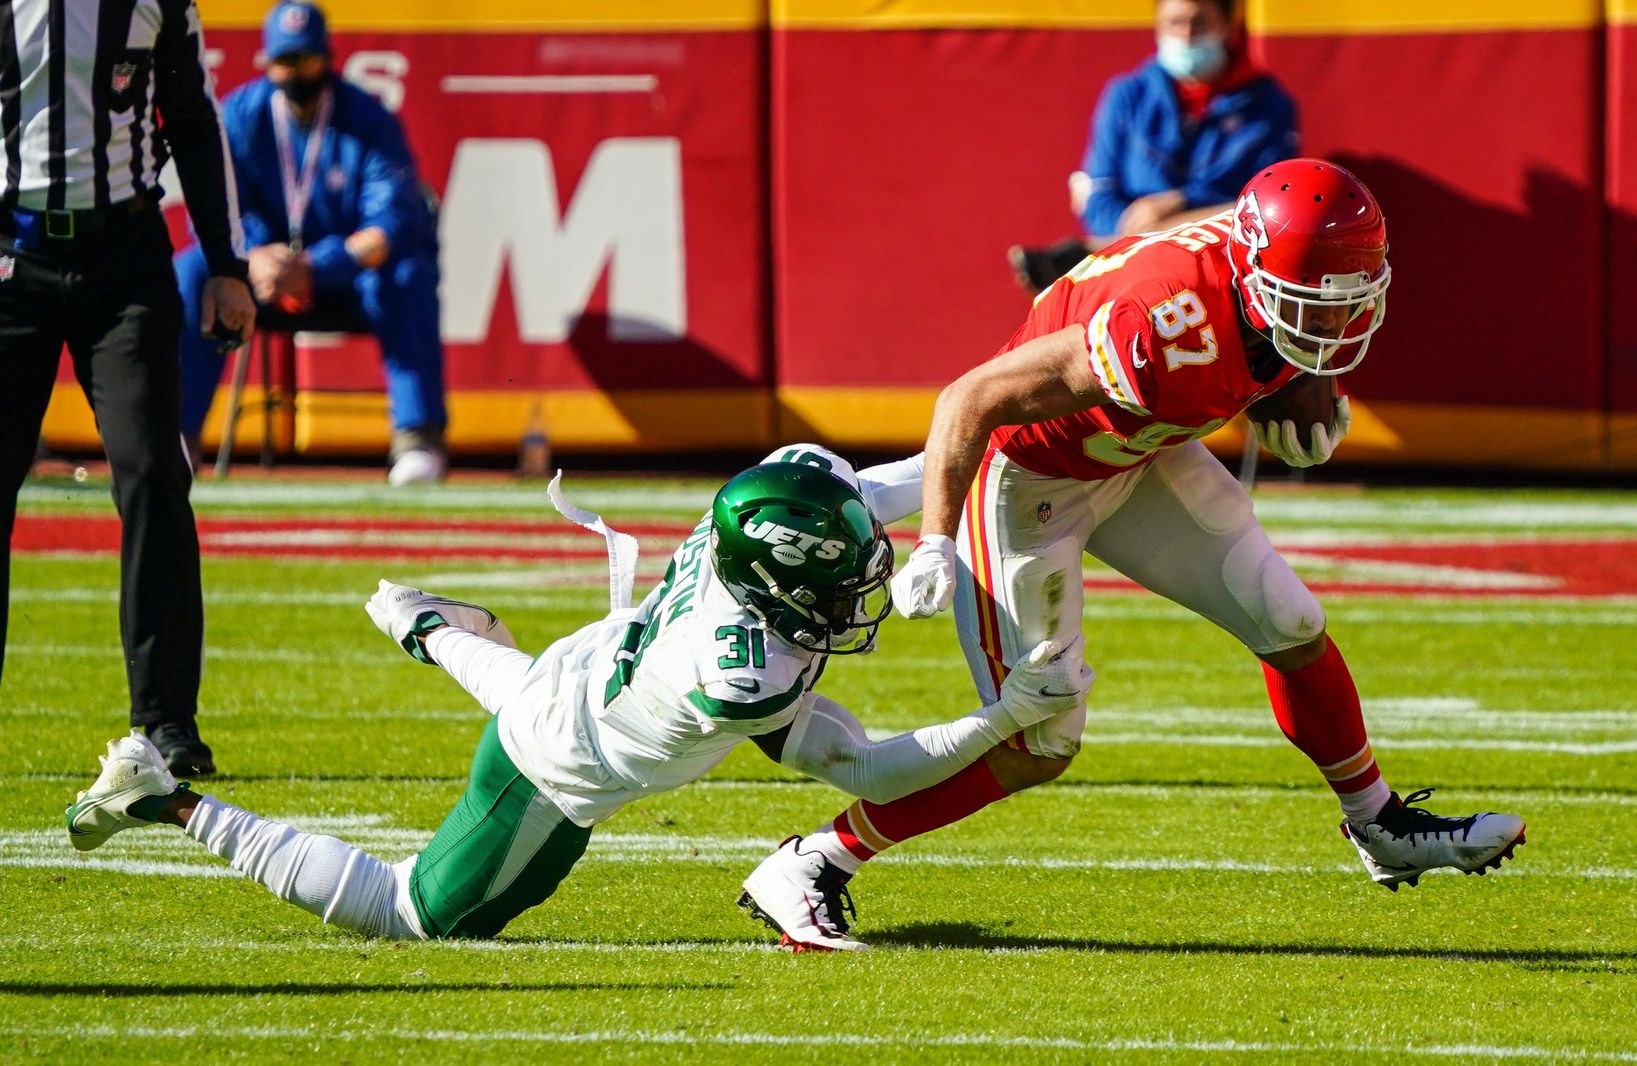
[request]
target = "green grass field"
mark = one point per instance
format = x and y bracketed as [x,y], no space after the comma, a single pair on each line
[1182,895]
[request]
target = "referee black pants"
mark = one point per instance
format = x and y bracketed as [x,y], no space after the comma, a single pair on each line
[111,297]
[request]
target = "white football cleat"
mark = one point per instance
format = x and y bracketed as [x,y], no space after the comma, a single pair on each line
[131,790]
[406,614]
[802,897]
[1402,842]
[418,466]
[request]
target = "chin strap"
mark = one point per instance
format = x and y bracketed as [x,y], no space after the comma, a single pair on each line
[622,547]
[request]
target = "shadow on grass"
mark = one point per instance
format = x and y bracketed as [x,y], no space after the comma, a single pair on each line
[305,988]
[967,935]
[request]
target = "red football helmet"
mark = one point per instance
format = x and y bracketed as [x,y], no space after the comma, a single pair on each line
[1309,252]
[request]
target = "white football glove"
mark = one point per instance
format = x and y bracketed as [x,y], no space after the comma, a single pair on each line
[927,582]
[1052,679]
[1282,440]
[406,614]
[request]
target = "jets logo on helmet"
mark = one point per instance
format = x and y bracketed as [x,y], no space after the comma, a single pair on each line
[799,547]
[791,546]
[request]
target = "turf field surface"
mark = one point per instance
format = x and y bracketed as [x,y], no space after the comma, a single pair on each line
[1181,895]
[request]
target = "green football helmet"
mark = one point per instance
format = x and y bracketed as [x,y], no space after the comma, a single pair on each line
[799,547]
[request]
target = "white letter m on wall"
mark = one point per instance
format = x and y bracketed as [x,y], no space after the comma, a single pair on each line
[501,208]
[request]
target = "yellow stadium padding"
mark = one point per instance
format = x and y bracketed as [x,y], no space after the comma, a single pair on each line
[1263,16]
[875,419]
[497,16]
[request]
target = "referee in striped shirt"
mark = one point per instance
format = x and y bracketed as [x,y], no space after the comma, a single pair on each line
[95,95]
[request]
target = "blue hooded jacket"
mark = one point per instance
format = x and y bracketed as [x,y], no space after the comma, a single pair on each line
[1143,142]
[365,177]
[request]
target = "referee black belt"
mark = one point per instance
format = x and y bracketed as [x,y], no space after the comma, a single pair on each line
[37,230]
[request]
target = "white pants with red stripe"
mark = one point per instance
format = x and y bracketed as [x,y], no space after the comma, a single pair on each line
[1180,526]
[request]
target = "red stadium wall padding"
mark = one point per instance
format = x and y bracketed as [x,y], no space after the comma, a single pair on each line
[905,163]
[682,231]
[1493,201]
[1621,223]
[582,162]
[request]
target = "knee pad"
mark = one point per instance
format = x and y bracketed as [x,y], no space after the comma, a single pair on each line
[1280,611]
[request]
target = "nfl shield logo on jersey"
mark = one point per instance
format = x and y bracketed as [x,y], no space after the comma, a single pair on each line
[122,77]
[8,266]
[1043,513]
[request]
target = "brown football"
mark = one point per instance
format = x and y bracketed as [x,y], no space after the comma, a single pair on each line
[1308,400]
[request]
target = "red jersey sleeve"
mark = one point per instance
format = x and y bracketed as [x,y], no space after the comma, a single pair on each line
[1120,346]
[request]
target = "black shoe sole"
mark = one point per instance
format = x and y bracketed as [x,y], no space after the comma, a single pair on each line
[190,764]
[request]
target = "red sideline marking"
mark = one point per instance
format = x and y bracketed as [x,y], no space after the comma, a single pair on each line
[279,537]
[1569,566]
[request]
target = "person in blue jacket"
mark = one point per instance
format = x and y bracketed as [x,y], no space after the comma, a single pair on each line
[340,232]
[1173,140]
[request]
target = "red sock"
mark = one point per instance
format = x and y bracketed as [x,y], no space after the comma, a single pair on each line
[868,828]
[1318,709]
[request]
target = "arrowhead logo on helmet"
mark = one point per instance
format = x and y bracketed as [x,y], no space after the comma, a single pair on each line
[1309,253]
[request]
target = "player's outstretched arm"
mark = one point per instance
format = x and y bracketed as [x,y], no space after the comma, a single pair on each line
[828,743]
[1041,379]
[892,490]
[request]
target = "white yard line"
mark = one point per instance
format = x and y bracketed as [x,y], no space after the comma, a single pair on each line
[573,583]
[169,855]
[311,1035]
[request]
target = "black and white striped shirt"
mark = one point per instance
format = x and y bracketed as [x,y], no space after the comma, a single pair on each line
[95,95]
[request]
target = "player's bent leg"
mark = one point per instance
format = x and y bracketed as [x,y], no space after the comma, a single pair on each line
[1188,532]
[324,876]
[343,885]
[503,849]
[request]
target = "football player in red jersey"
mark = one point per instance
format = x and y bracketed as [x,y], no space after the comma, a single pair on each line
[1082,436]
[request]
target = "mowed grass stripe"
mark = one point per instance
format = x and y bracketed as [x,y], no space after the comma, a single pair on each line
[678,1037]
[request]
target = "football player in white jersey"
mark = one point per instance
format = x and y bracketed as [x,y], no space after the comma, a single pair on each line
[789,568]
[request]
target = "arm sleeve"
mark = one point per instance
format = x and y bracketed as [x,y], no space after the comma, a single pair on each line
[492,673]
[829,744]
[192,129]
[1265,133]
[893,490]
[1110,132]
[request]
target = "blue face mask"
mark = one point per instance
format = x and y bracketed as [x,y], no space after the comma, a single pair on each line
[1200,60]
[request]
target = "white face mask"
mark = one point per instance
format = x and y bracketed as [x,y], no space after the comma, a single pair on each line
[1201,59]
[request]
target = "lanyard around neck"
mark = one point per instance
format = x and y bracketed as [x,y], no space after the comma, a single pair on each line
[298,189]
